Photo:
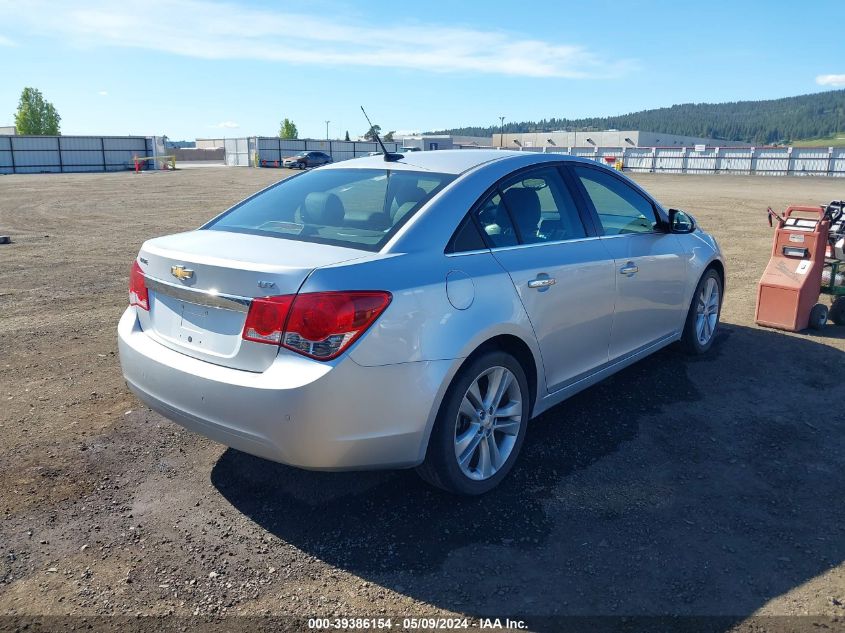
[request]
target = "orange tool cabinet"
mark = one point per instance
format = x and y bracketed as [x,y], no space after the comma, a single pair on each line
[792,281]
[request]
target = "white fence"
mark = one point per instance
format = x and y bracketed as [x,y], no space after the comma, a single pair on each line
[238,151]
[271,149]
[768,161]
[58,154]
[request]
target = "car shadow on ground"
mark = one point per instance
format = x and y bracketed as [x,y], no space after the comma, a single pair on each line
[681,485]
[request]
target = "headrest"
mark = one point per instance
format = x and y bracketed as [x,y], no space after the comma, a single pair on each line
[323,208]
[524,204]
[409,193]
[407,196]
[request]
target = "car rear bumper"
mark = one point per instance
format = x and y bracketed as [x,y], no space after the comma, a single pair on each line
[301,412]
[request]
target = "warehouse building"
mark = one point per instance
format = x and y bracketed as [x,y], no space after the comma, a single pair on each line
[210,143]
[606,138]
[428,142]
[7,130]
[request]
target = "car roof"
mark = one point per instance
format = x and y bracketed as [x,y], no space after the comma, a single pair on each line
[447,161]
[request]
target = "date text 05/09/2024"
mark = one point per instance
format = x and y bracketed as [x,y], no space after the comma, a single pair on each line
[413,623]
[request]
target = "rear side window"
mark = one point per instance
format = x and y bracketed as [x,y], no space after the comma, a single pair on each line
[357,208]
[542,207]
[621,208]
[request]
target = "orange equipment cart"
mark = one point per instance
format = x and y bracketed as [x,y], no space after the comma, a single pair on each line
[788,293]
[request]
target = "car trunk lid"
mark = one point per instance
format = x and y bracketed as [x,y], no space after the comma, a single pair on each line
[200,285]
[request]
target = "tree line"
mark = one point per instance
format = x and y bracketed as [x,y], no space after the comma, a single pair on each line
[761,122]
[288,130]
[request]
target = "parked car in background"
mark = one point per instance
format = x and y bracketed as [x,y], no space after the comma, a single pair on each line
[375,314]
[307,159]
[405,150]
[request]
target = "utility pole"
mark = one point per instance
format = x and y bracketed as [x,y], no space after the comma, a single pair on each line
[327,130]
[501,131]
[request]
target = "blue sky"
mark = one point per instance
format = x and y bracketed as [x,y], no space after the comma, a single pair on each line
[200,68]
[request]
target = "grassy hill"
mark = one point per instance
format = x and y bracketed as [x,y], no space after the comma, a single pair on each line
[812,116]
[834,140]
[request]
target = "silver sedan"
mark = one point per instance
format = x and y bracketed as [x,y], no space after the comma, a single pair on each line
[413,312]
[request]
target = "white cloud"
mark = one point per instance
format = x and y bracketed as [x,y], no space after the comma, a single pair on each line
[219,30]
[103,93]
[831,80]
[5,41]
[227,125]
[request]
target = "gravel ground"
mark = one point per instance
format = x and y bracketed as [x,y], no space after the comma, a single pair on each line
[678,487]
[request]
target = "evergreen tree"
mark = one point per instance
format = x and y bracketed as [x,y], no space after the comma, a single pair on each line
[372,133]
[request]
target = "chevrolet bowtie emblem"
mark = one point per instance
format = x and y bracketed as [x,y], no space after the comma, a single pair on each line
[181,273]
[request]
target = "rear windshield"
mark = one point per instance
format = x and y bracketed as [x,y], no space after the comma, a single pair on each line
[357,208]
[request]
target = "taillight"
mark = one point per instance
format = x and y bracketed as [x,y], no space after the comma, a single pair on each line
[320,325]
[323,324]
[265,320]
[138,295]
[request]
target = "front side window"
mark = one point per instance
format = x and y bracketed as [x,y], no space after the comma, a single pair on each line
[621,208]
[357,208]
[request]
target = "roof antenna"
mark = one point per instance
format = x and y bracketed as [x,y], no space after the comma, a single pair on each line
[388,157]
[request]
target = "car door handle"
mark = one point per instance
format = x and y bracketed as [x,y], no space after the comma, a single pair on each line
[629,269]
[542,282]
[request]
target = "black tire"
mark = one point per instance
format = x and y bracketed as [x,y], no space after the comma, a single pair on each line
[440,467]
[818,316]
[689,339]
[837,311]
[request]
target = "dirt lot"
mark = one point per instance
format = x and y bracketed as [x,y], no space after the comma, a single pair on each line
[704,487]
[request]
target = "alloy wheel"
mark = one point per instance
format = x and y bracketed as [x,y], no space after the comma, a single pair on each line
[707,311]
[488,423]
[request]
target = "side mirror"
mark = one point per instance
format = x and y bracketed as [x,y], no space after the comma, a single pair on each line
[680,222]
